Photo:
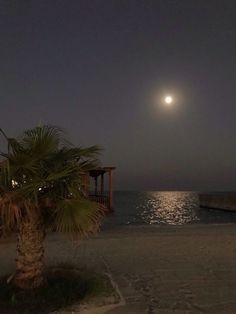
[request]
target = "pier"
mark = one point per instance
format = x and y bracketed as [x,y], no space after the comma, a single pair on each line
[220,200]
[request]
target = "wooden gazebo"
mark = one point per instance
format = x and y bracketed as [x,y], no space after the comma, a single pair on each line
[98,189]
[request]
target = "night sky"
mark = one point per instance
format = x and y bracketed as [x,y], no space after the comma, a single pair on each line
[100,68]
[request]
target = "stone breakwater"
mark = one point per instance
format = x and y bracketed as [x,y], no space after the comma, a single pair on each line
[224,201]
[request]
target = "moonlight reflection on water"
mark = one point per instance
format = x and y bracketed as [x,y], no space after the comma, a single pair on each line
[172,208]
[163,208]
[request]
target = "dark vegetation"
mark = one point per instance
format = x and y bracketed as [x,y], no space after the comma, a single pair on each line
[64,287]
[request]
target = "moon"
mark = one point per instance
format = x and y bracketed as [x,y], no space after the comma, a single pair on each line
[168,100]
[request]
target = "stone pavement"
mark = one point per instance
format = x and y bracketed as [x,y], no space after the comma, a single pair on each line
[189,269]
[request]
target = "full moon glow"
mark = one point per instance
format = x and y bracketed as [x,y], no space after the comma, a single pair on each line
[168,100]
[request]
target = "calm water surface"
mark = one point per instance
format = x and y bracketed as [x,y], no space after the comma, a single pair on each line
[163,208]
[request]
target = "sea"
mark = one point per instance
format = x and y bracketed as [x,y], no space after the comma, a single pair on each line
[163,208]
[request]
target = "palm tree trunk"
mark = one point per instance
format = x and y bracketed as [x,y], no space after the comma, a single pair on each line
[30,253]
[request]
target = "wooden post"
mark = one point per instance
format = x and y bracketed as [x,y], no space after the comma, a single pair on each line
[86,181]
[110,190]
[96,185]
[102,184]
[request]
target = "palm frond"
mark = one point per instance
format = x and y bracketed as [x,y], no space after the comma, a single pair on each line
[90,152]
[3,133]
[42,140]
[77,216]
[88,165]
[5,179]
[10,211]
[13,145]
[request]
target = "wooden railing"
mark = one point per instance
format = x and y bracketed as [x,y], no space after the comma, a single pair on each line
[101,199]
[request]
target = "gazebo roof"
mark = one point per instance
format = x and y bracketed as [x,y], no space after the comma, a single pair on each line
[100,170]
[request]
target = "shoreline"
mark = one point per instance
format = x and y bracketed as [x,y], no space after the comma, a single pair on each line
[138,229]
[167,227]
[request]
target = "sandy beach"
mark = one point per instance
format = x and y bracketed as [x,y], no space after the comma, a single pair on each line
[179,269]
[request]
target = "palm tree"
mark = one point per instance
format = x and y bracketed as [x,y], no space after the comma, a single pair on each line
[41,189]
